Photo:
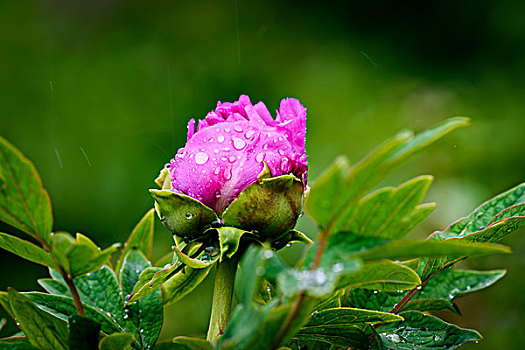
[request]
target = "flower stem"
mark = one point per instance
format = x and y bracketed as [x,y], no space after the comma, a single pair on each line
[222,298]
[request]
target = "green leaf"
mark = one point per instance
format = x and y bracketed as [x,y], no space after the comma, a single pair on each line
[24,203]
[342,326]
[16,346]
[450,283]
[83,333]
[182,284]
[325,193]
[424,332]
[185,343]
[430,305]
[26,250]
[381,275]
[390,212]
[371,299]
[42,329]
[144,316]
[269,207]
[452,248]
[333,197]
[117,341]
[79,256]
[487,215]
[63,307]
[153,278]
[54,287]
[184,216]
[140,238]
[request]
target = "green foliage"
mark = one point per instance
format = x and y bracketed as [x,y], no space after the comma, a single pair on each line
[24,203]
[358,286]
[26,250]
[421,331]
[42,330]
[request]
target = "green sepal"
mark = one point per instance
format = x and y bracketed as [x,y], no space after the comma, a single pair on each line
[182,284]
[268,207]
[184,216]
[203,261]
[229,240]
[164,179]
[292,236]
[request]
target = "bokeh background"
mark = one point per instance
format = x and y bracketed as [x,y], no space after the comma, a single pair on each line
[98,93]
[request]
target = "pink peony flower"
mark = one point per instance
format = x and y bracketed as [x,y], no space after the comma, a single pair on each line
[231,145]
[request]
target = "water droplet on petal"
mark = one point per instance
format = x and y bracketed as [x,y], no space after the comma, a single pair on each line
[226,149]
[216,171]
[260,157]
[281,152]
[227,174]
[216,151]
[238,143]
[227,130]
[232,159]
[217,194]
[249,134]
[201,158]
[211,139]
[284,164]
[237,128]
[223,158]
[220,138]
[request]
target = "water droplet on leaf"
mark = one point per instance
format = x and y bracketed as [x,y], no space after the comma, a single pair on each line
[189,215]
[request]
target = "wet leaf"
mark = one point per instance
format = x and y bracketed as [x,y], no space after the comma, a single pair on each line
[26,250]
[140,238]
[41,328]
[424,332]
[117,341]
[24,203]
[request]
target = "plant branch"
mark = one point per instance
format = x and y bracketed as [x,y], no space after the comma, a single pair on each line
[222,298]
[296,307]
[74,292]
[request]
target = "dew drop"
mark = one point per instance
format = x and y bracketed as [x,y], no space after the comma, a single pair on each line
[201,158]
[204,171]
[238,143]
[284,164]
[217,171]
[227,130]
[281,152]
[220,138]
[260,157]
[249,134]
[268,254]
[126,316]
[142,330]
[393,337]
[232,159]
[227,174]
[226,149]
[189,215]
[337,267]
[418,287]
[436,338]
[237,128]
[216,151]
[223,158]
[217,194]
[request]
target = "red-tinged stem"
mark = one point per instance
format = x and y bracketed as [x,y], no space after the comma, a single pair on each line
[74,293]
[296,307]
[67,279]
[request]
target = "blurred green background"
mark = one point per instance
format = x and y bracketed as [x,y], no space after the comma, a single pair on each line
[98,93]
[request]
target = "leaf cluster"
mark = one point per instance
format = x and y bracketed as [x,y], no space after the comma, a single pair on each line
[359,286]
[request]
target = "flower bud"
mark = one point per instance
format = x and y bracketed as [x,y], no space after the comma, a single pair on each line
[241,168]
